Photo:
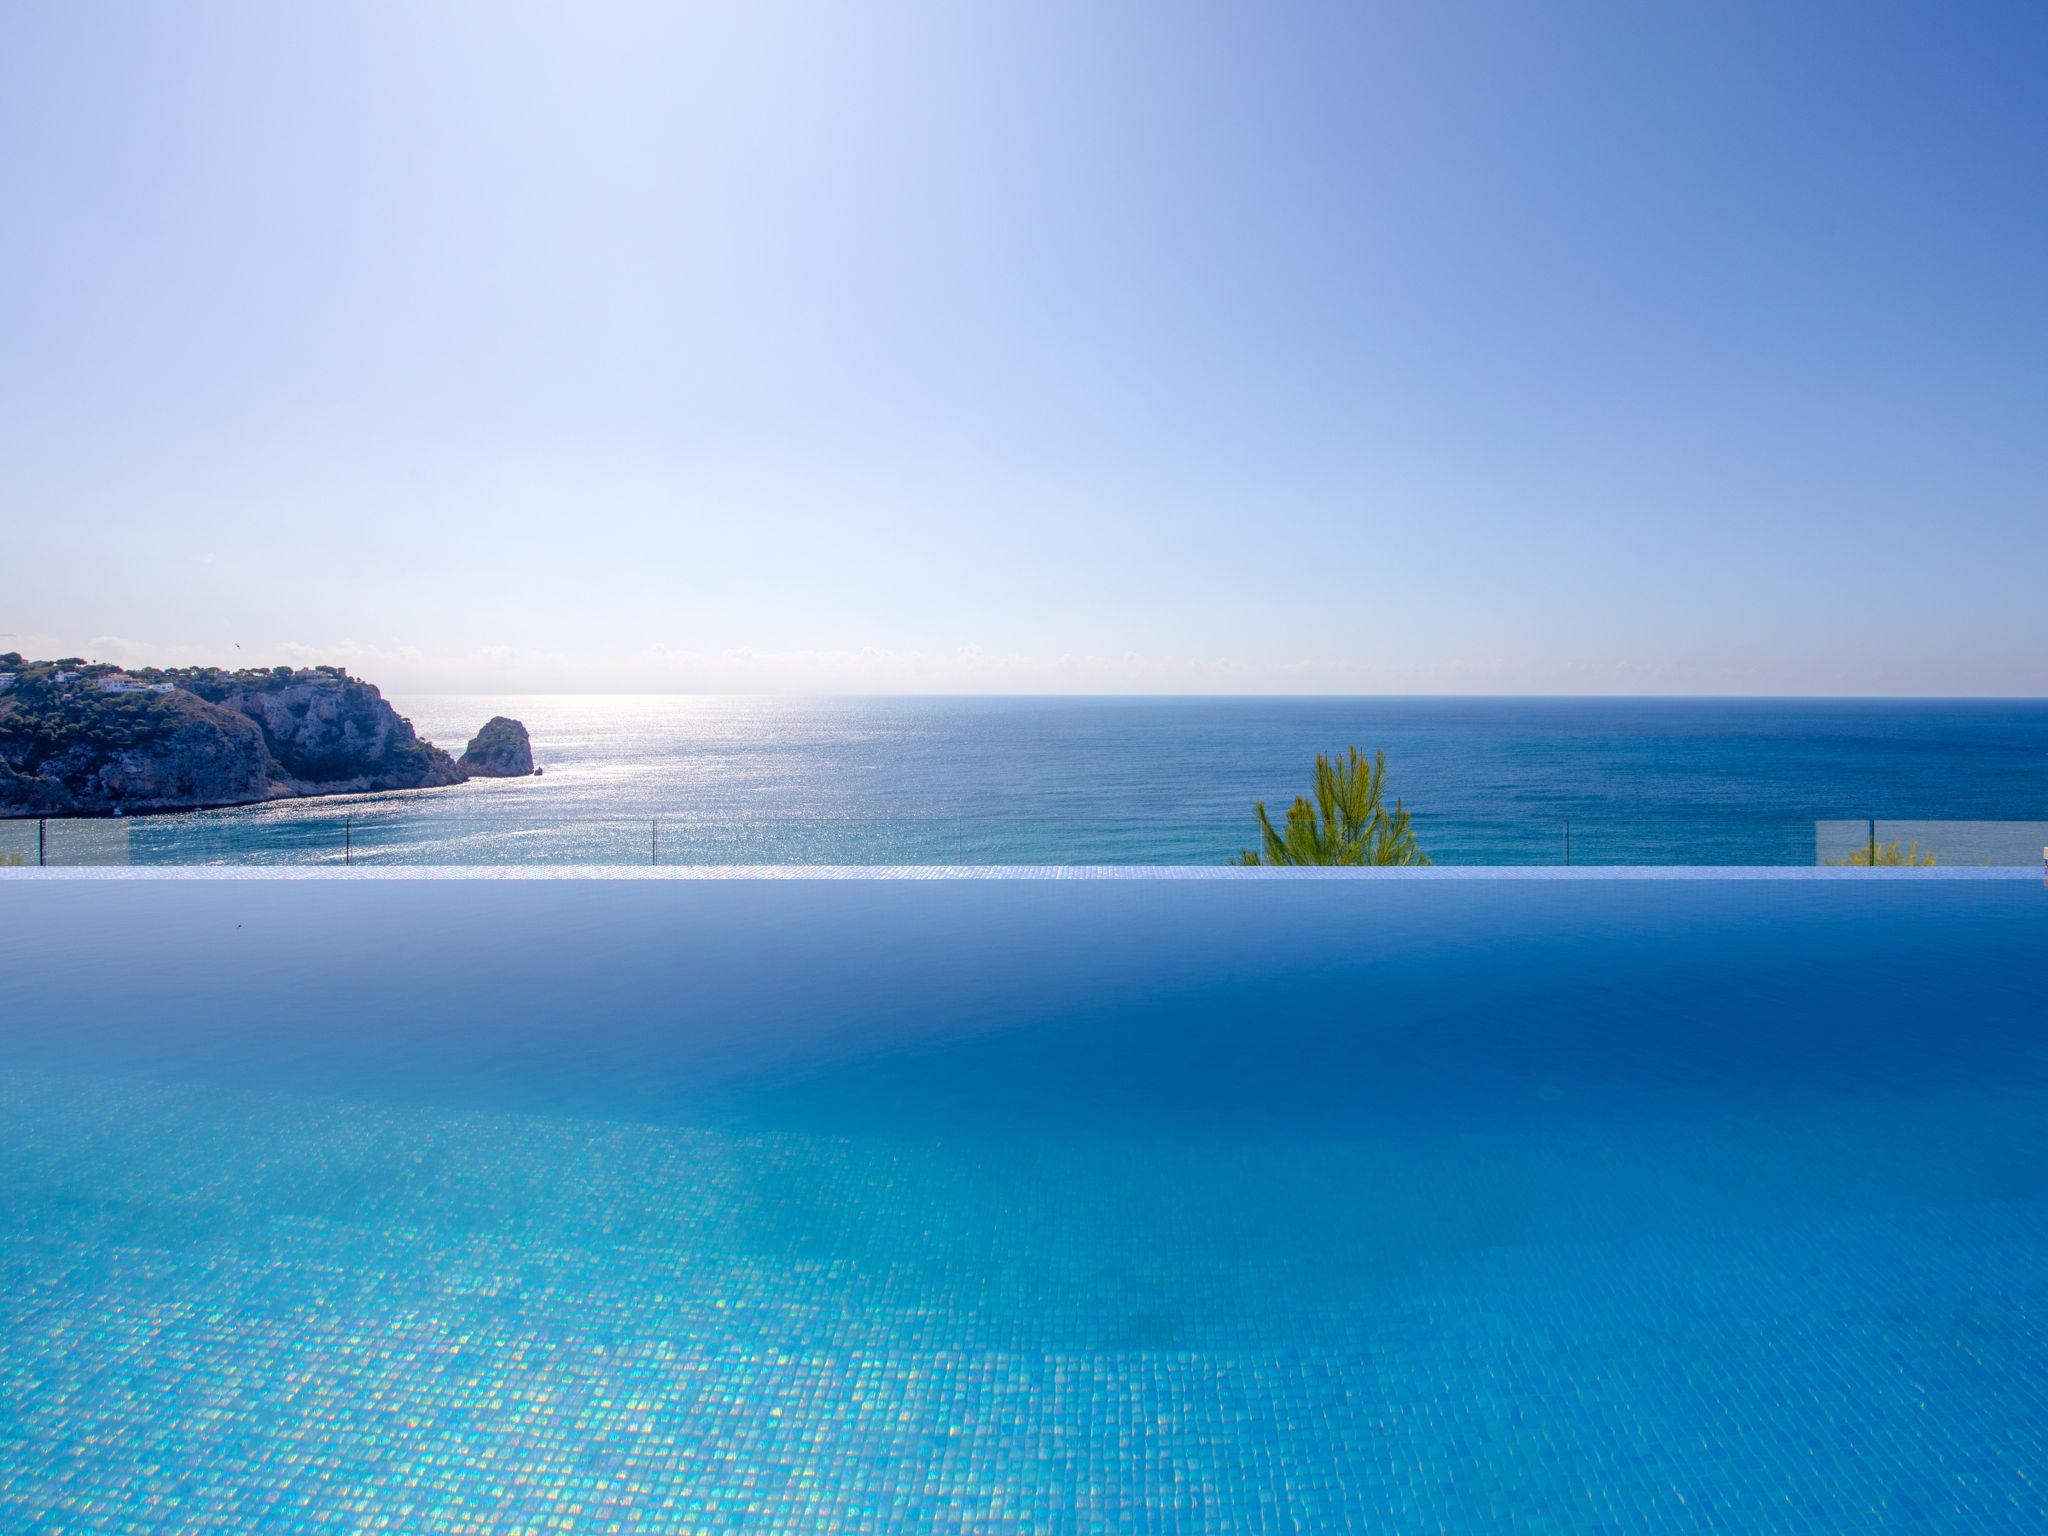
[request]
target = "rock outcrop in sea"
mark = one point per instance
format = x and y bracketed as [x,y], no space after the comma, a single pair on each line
[80,738]
[500,750]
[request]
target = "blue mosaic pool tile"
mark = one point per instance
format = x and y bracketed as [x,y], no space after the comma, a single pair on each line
[236,1310]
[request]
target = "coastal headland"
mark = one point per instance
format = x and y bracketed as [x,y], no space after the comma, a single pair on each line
[81,738]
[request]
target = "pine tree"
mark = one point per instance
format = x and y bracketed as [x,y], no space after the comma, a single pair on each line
[1349,822]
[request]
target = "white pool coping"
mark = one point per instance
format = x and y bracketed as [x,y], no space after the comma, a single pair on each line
[1171,872]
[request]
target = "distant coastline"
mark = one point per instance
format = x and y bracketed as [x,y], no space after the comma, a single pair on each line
[81,738]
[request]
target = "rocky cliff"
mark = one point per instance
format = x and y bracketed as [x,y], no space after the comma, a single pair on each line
[83,739]
[328,733]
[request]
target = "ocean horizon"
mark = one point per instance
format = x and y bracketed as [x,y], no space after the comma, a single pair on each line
[1160,779]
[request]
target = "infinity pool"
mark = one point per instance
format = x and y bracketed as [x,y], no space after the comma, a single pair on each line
[962,1205]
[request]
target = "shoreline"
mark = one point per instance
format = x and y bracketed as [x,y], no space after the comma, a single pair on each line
[124,814]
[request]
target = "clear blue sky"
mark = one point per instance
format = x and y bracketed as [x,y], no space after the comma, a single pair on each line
[1432,348]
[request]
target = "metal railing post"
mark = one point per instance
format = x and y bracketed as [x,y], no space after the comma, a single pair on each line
[348,838]
[42,841]
[1873,843]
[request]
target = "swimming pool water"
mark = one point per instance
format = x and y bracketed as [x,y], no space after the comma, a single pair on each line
[953,1205]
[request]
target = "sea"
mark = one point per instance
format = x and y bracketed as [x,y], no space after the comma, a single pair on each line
[702,779]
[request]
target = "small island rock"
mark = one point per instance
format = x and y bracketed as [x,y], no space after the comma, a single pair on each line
[500,750]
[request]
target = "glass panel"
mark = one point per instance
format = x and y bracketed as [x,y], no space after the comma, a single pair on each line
[18,844]
[1843,842]
[1693,840]
[89,840]
[1966,843]
[385,830]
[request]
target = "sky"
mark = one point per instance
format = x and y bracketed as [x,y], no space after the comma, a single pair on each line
[1103,347]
